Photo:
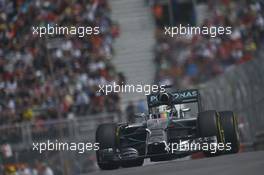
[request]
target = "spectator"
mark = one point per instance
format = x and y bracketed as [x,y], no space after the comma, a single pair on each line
[44,169]
[11,170]
[130,112]
[24,170]
[141,106]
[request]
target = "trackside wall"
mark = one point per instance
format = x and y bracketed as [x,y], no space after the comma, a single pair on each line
[241,89]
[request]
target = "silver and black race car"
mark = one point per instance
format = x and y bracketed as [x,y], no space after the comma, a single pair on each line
[175,126]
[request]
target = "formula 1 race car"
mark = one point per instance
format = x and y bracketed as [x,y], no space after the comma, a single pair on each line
[175,126]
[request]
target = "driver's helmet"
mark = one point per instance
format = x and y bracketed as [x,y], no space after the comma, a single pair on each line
[164,111]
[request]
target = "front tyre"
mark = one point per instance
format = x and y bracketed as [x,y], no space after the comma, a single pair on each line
[106,137]
[231,136]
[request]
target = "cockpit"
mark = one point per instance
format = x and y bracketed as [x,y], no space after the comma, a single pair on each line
[178,111]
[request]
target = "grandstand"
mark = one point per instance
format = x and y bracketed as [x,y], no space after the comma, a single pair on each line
[188,60]
[54,78]
[57,75]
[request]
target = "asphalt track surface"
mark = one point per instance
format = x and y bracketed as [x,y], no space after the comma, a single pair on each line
[248,163]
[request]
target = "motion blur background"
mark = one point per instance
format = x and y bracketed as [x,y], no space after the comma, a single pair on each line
[48,85]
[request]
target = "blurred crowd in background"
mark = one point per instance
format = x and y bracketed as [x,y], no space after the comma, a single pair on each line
[188,60]
[39,168]
[55,76]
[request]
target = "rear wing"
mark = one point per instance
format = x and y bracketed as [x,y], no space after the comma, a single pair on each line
[178,97]
[185,96]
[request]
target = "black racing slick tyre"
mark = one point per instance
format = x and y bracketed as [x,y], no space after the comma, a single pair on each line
[209,125]
[106,137]
[231,136]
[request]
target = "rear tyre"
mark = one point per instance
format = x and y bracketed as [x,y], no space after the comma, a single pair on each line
[106,137]
[231,136]
[208,126]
